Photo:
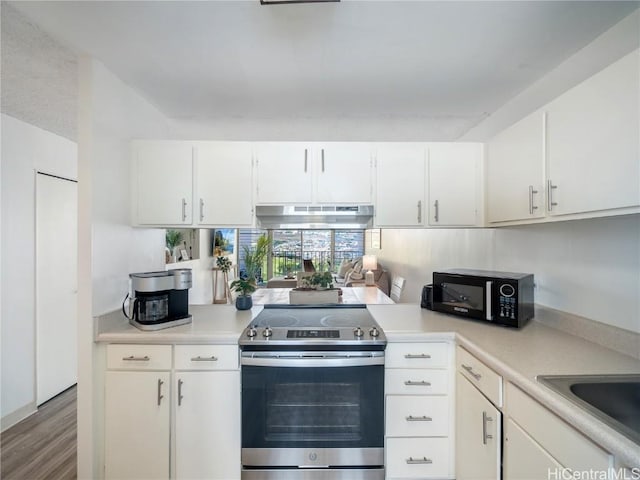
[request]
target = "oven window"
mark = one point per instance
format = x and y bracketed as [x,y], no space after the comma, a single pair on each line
[467,296]
[288,407]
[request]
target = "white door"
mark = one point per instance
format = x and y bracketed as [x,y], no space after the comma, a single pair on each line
[224,184]
[343,170]
[400,185]
[477,434]
[208,425]
[56,285]
[284,173]
[136,418]
[454,183]
[524,459]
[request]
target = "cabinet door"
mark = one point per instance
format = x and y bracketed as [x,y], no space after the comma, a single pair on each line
[524,459]
[208,425]
[224,184]
[477,434]
[284,173]
[400,185]
[454,183]
[593,142]
[344,173]
[515,174]
[137,425]
[162,179]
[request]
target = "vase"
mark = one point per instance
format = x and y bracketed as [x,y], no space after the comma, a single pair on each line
[244,302]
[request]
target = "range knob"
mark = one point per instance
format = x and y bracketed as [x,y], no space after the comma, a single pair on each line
[358,332]
[252,332]
[267,332]
[374,332]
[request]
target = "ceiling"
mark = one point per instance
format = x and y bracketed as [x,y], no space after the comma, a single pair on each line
[443,61]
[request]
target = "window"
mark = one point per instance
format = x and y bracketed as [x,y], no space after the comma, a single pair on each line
[325,248]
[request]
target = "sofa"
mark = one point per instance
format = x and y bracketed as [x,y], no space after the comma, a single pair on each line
[350,273]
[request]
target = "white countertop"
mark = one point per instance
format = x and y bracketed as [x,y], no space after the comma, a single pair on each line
[518,355]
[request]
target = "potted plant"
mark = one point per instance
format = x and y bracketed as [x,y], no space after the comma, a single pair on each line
[173,238]
[319,280]
[254,257]
[244,287]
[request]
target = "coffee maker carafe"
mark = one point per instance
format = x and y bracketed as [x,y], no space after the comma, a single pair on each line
[159,299]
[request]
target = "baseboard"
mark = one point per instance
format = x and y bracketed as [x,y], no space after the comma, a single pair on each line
[624,341]
[18,415]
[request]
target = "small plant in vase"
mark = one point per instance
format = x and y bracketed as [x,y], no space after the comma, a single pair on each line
[173,238]
[245,288]
[224,264]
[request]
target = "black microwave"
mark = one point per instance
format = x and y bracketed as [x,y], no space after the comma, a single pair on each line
[502,298]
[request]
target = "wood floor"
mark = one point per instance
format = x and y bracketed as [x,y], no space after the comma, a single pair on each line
[43,446]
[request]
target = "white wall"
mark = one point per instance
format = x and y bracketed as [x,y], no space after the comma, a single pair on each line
[589,268]
[110,115]
[25,150]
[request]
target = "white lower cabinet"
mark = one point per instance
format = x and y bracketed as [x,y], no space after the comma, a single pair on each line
[524,459]
[418,416]
[179,422]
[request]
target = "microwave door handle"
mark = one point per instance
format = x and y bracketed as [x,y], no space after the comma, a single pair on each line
[488,308]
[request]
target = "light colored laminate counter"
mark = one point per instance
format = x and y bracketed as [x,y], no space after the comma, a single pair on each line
[519,356]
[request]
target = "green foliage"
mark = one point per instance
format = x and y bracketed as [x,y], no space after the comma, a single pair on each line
[243,287]
[173,238]
[254,257]
[320,279]
[224,264]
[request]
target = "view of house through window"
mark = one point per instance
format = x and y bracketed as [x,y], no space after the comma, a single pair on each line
[325,248]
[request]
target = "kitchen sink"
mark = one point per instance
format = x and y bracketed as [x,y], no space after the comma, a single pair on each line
[614,399]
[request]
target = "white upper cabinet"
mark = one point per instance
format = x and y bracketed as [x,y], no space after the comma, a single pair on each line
[454,184]
[344,173]
[162,182]
[400,184]
[515,174]
[593,156]
[223,178]
[284,173]
[304,173]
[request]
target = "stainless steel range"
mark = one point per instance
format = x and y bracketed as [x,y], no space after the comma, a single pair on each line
[313,394]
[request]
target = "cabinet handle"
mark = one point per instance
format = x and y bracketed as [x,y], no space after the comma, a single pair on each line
[532,207]
[419,383]
[180,397]
[306,156]
[417,355]
[436,215]
[485,436]
[160,396]
[419,461]
[550,202]
[469,369]
[419,211]
[184,209]
[131,358]
[423,418]
[322,157]
[201,210]
[204,359]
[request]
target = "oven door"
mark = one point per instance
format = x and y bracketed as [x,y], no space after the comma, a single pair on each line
[312,409]
[463,295]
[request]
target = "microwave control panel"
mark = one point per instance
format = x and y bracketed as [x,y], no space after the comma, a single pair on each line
[508,301]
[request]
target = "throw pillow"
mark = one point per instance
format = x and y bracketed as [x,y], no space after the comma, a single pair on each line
[345,266]
[356,275]
[357,268]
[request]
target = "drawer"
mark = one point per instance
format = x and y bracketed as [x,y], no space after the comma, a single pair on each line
[487,381]
[417,355]
[139,357]
[564,443]
[206,357]
[417,416]
[413,381]
[418,458]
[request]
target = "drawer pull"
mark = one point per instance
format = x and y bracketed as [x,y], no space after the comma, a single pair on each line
[423,418]
[417,383]
[419,461]
[417,355]
[204,359]
[469,369]
[131,358]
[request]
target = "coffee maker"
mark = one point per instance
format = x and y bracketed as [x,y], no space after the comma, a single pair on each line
[159,299]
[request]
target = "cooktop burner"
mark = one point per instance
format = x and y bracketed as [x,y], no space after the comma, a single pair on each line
[304,327]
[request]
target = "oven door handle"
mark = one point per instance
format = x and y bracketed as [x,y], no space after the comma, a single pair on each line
[256,360]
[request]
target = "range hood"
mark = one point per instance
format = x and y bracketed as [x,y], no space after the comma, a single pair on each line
[314,216]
